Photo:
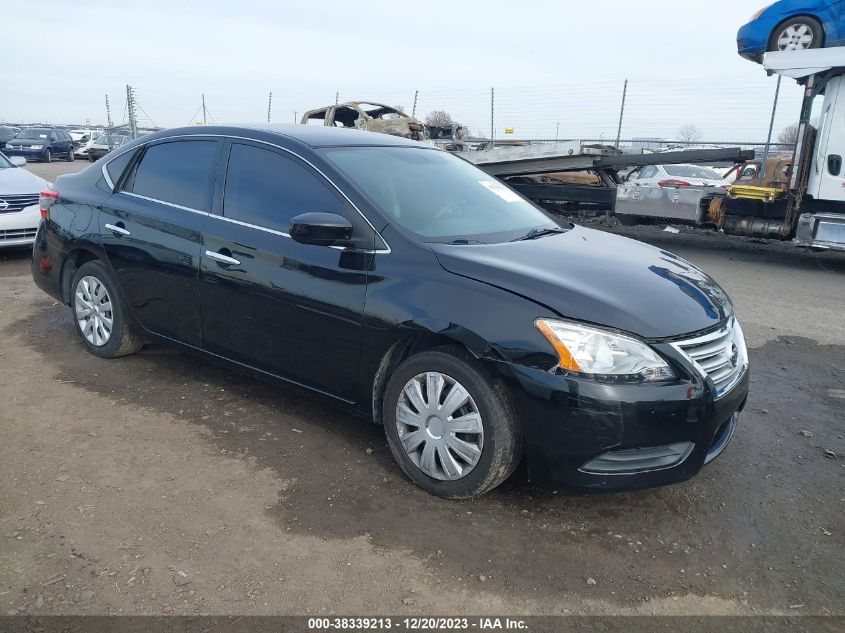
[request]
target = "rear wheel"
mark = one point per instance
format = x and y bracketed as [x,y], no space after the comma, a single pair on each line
[48,157]
[70,156]
[99,314]
[797,33]
[451,424]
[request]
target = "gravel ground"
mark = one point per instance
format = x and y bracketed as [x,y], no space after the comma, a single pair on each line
[157,484]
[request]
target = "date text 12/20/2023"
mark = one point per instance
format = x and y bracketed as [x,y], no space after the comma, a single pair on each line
[416,624]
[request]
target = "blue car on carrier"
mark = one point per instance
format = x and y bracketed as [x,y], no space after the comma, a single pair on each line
[792,25]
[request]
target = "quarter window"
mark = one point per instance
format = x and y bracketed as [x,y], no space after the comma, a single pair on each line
[179,172]
[267,189]
[117,165]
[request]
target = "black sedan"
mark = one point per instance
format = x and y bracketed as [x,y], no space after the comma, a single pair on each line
[405,284]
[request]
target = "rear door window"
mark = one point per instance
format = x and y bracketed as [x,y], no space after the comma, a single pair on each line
[266,189]
[178,172]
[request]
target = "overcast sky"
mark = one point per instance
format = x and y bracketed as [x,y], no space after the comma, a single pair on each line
[557,67]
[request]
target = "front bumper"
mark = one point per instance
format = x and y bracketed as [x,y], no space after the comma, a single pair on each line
[29,154]
[580,434]
[18,229]
[752,40]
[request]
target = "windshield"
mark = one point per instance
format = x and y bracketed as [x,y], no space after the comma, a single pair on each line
[437,196]
[692,171]
[111,140]
[34,132]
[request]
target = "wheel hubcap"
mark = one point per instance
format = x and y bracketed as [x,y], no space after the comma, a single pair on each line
[439,426]
[795,37]
[93,309]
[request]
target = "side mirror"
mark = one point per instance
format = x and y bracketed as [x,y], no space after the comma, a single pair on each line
[17,161]
[320,229]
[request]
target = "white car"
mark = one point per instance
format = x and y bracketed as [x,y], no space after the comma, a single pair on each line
[684,175]
[19,210]
[83,140]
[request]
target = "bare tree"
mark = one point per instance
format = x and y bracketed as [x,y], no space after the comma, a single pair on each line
[689,133]
[438,117]
[789,134]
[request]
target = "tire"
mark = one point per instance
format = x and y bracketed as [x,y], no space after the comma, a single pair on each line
[500,439]
[90,157]
[792,34]
[626,219]
[121,339]
[70,156]
[48,157]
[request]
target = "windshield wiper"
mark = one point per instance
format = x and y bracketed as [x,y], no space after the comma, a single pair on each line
[533,234]
[463,241]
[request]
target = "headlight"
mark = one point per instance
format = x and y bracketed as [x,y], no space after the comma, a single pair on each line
[35,146]
[602,355]
[759,13]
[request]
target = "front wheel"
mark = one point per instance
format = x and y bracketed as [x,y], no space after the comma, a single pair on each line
[451,424]
[99,314]
[797,33]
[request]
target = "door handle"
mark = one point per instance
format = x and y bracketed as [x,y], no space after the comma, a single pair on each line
[118,231]
[221,258]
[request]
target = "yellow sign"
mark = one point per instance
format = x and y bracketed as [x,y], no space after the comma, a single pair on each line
[508,130]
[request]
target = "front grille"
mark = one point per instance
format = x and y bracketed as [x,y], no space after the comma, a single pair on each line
[721,355]
[17,234]
[14,203]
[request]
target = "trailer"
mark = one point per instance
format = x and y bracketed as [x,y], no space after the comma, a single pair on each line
[578,172]
[808,205]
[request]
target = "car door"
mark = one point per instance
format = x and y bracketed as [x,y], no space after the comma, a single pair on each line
[151,230]
[55,146]
[827,174]
[289,309]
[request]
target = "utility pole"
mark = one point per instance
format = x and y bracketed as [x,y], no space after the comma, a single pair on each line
[294,116]
[203,108]
[336,97]
[414,109]
[492,119]
[557,129]
[621,113]
[269,105]
[130,107]
[108,112]
[771,127]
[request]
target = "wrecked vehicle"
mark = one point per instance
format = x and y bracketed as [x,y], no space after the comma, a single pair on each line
[370,117]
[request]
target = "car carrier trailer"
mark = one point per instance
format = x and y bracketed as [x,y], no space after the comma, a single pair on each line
[527,167]
[810,207]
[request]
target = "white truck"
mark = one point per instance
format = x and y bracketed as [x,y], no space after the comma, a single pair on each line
[816,195]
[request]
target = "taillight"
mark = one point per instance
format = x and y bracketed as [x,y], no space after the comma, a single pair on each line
[671,182]
[45,200]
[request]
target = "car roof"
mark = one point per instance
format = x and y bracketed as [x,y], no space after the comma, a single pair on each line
[310,135]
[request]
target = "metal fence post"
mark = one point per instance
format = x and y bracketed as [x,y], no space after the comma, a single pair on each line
[492,124]
[771,127]
[621,113]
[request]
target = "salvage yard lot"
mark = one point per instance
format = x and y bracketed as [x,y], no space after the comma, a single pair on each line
[159,484]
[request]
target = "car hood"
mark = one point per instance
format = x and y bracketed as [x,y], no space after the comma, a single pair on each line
[600,278]
[16,180]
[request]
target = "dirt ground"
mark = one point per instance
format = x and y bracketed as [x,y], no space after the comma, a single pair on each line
[158,484]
